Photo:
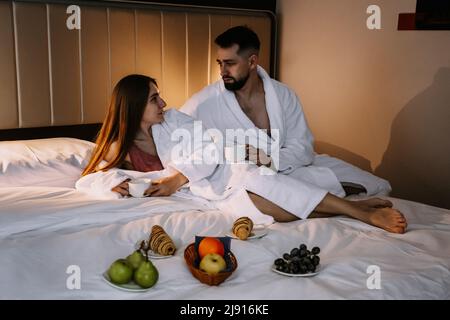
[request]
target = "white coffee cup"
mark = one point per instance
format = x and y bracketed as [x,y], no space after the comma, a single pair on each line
[235,153]
[137,187]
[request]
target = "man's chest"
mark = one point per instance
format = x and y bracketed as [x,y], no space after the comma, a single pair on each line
[256,111]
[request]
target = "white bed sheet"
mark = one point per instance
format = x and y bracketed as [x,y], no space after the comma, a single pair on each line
[34,260]
[38,210]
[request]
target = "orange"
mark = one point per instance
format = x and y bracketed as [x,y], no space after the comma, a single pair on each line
[210,245]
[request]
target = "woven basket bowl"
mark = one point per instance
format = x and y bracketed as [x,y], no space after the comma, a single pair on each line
[213,280]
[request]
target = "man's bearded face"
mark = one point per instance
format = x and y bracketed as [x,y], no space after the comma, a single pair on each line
[234,84]
[234,68]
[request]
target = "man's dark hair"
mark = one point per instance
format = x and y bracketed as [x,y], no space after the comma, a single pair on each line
[243,36]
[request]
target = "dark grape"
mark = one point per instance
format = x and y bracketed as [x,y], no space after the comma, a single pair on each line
[303,269]
[295,268]
[302,253]
[315,250]
[287,256]
[316,260]
[279,262]
[308,253]
[294,252]
[305,260]
[303,246]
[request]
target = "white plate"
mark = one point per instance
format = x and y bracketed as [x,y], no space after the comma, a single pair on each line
[130,286]
[154,255]
[311,274]
[257,232]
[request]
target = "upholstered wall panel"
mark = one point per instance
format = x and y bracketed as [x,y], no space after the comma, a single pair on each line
[122,43]
[95,63]
[51,75]
[33,64]
[198,52]
[65,66]
[8,91]
[148,44]
[174,58]
[219,23]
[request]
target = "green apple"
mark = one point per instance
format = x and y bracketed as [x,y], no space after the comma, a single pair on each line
[135,259]
[146,275]
[120,271]
[213,263]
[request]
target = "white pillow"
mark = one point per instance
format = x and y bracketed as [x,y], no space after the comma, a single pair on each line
[56,162]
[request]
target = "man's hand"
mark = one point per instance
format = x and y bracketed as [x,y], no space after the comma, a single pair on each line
[122,188]
[166,186]
[257,156]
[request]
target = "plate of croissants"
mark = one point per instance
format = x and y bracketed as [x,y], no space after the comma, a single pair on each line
[244,229]
[159,245]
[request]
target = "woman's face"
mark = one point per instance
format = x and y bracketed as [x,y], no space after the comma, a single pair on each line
[153,112]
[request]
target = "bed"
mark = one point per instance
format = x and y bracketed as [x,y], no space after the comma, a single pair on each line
[47,227]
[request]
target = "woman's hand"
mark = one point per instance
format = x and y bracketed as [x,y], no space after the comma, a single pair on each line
[258,156]
[166,186]
[122,188]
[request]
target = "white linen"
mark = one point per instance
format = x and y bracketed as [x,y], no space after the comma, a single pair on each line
[218,108]
[223,184]
[40,210]
[413,266]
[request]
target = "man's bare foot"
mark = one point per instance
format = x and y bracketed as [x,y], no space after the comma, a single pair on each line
[374,203]
[375,211]
[386,218]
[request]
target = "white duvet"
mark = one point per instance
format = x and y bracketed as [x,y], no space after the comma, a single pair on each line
[44,231]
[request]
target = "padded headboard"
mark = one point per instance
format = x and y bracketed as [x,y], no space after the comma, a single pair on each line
[52,76]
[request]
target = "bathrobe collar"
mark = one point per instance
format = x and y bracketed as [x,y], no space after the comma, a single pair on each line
[272,105]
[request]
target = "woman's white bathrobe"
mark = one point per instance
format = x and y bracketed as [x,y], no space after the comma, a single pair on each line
[218,108]
[223,186]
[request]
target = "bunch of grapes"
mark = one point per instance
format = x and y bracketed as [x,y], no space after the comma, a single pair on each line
[299,261]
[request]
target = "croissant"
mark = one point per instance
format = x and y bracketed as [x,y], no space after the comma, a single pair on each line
[242,227]
[160,242]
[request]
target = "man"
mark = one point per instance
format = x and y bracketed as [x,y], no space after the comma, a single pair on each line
[247,98]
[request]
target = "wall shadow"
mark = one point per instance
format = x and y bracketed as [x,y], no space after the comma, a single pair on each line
[417,160]
[343,154]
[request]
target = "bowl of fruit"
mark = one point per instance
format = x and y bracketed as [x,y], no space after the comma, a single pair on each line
[210,259]
[300,262]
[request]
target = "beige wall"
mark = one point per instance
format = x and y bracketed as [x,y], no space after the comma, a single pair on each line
[378,99]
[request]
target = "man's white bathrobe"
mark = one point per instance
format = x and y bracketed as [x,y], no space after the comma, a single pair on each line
[218,108]
[221,185]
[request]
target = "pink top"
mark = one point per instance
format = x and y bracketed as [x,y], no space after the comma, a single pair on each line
[144,162]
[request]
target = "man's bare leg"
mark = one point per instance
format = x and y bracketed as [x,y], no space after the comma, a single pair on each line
[271,209]
[376,212]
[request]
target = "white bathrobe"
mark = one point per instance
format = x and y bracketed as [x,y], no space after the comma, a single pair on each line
[219,185]
[218,108]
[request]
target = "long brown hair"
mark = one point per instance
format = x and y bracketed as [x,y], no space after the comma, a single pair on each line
[122,121]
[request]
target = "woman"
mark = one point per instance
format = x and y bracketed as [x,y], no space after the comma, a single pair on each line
[137,135]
